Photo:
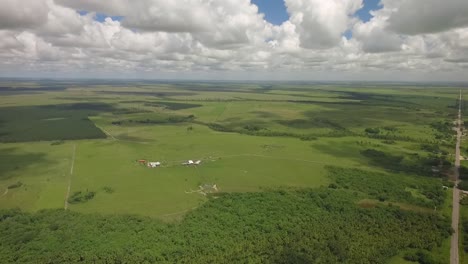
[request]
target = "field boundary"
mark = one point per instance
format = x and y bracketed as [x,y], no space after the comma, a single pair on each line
[70,177]
[106,132]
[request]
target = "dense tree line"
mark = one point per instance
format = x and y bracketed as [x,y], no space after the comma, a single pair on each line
[389,187]
[308,226]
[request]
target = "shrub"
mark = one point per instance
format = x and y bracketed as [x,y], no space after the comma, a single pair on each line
[463,185]
[15,185]
[81,197]
[372,130]
[108,189]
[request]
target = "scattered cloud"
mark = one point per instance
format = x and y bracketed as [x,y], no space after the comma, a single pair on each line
[321,24]
[413,17]
[403,39]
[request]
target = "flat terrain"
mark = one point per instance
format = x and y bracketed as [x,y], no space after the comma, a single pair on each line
[78,144]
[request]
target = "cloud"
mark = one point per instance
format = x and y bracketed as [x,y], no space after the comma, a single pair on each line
[374,35]
[112,8]
[321,24]
[22,14]
[216,39]
[414,17]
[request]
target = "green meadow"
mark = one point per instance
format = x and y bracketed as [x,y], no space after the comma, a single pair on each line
[72,149]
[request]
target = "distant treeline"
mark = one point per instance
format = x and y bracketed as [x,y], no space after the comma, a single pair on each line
[157,119]
[254,130]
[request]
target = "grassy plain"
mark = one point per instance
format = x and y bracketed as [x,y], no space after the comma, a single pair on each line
[251,138]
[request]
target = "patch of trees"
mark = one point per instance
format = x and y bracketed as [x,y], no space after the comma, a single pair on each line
[56,143]
[172,105]
[81,197]
[389,187]
[463,185]
[254,130]
[464,224]
[389,135]
[420,256]
[166,120]
[444,128]
[376,130]
[463,172]
[303,226]
[15,185]
[126,111]
[108,189]
[372,130]
[433,148]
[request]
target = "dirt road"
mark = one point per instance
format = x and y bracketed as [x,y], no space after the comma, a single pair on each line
[454,256]
[70,177]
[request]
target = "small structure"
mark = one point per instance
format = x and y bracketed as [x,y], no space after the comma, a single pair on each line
[154,164]
[191,162]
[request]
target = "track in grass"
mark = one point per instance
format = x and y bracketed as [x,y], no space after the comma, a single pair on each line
[70,177]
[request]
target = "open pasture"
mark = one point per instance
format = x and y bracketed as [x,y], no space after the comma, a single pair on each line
[84,147]
[250,137]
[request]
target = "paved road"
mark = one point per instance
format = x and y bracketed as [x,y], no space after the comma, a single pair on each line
[454,257]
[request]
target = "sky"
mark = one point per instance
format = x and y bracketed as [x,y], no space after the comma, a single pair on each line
[375,40]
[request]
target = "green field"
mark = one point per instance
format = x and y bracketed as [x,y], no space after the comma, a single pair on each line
[386,150]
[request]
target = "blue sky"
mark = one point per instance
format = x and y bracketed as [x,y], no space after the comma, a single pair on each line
[369,5]
[101,17]
[275,10]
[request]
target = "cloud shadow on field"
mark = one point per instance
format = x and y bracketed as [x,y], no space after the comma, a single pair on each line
[264,114]
[313,120]
[346,150]
[12,160]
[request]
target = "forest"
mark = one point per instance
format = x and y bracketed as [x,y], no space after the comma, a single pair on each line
[286,226]
[49,122]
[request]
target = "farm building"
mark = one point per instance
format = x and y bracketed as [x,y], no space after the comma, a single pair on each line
[154,164]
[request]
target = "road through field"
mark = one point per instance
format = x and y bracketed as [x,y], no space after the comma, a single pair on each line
[454,256]
[70,177]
